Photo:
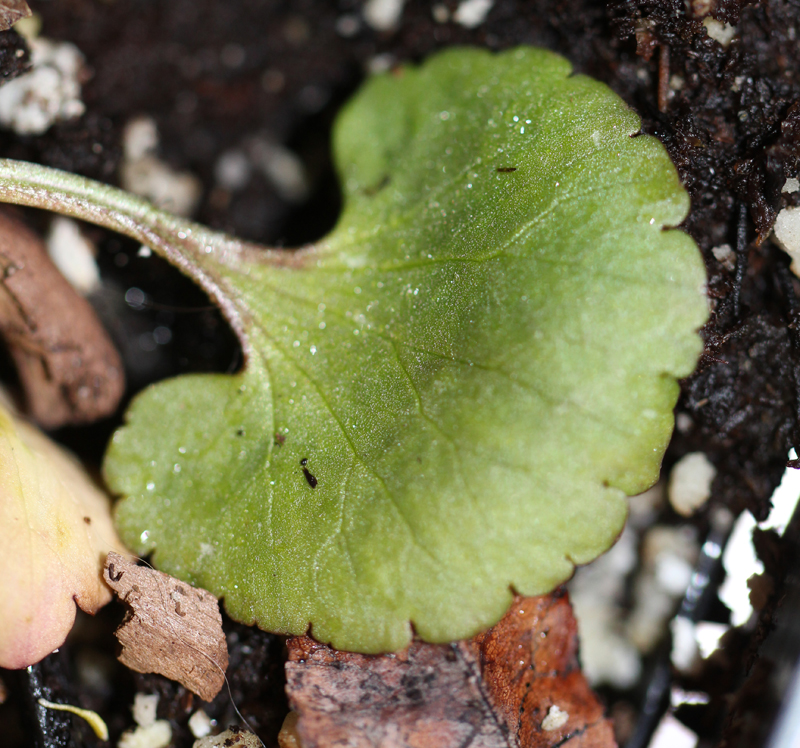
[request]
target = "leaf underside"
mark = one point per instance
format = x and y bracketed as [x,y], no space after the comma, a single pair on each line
[476,366]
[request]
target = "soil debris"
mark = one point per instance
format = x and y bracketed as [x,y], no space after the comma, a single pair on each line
[518,684]
[15,57]
[12,11]
[172,628]
[233,737]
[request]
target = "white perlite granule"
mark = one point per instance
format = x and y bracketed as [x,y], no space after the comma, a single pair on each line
[50,92]
[383,15]
[440,13]
[725,255]
[555,718]
[667,557]
[791,185]
[157,735]
[472,13]
[787,234]
[595,591]
[200,724]
[232,170]
[143,173]
[73,254]
[718,31]
[144,710]
[150,732]
[690,483]
[282,167]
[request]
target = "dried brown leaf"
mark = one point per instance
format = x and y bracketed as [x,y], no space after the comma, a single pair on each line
[55,530]
[12,11]
[518,685]
[67,364]
[172,629]
[529,664]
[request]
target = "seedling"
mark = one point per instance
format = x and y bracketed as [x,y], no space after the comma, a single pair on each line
[449,396]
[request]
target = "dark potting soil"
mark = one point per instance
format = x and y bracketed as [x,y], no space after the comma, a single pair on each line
[213,74]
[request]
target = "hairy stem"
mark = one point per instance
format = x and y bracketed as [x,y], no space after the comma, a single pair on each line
[196,250]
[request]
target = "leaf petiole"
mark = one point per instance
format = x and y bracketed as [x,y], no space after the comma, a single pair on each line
[196,250]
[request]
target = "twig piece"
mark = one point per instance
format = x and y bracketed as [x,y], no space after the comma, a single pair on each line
[741,260]
[67,364]
[663,78]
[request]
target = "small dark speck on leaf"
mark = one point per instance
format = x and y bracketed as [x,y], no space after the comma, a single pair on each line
[374,190]
[240,432]
[312,481]
[87,520]
[278,439]
[506,169]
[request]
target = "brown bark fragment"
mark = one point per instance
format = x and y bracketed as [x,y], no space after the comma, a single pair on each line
[172,628]
[12,11]
[67,364]
[494,690]
[424,696]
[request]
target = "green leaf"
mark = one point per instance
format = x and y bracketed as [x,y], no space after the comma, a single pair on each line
[450,395]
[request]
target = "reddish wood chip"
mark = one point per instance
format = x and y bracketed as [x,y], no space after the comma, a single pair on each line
[172,628]
[66,361]
[517,685]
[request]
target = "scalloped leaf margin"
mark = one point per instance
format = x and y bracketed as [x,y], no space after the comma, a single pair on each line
[447,399]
